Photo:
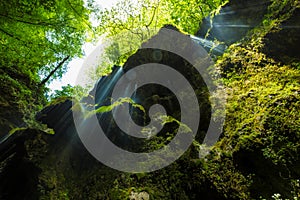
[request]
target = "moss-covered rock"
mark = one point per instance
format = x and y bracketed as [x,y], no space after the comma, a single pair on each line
[256,157]
[262,129]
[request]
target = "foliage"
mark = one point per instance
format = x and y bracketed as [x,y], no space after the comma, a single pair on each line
[262,119]
[134,16]
[37,35]
[38,39]
[66,91]
[261,134]
[130,23]
[257,156]
[278,13]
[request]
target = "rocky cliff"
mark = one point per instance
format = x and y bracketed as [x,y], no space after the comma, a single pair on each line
[256,157]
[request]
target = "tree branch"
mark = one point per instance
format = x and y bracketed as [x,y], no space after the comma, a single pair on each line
[11,35]
[34,22]
[152,18]
[53,71]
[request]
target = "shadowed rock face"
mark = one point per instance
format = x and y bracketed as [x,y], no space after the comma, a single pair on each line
[283,45]
[234,20]
[39,165]
[238,17]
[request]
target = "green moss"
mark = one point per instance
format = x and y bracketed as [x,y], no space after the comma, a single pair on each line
[257,155]
[59,100]
[14,130]
[262,118]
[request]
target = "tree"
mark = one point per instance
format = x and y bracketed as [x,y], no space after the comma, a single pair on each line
[37,35]
[135,15]
[129,23]
[37,40]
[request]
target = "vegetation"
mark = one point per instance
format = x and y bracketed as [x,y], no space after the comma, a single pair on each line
[38,39]
[130,23]
[257,156]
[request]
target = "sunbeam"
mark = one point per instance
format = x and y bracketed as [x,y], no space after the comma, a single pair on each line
[208,44]
[233,25]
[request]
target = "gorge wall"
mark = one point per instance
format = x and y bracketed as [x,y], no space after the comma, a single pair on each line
[256,157]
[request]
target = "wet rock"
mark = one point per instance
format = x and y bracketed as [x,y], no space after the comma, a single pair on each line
[283,44]
[234,21]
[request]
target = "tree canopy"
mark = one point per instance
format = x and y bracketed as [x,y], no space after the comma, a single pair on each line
[36,36]
[138,14]
[129,23]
